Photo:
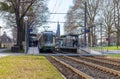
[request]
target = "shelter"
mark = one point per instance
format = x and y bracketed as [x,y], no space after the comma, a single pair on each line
[70,40]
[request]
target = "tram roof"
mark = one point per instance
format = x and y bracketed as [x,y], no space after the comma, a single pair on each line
[48,32]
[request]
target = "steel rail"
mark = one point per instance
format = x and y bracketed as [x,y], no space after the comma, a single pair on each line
[106,62]
[73,69]
[109,59]
[105,69]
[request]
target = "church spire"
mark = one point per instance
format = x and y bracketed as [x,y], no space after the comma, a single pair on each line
[58,30]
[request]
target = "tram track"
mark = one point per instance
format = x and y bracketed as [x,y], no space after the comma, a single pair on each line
[109,59]
[68,71]
[108,64]
[96,71]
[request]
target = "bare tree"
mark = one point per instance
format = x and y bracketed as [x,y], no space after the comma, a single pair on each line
[74,18]
[78,15]
[108,18]
[117,19]
[21,8]
[106,12]
[92,11]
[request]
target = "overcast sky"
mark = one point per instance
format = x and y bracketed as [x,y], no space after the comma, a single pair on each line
[3,24]
[58,6]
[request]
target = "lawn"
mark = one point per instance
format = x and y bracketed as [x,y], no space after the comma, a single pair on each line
[114,55]
[107,48]
[27,67]
[111,47]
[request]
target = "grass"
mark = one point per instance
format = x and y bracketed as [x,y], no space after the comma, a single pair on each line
[107,48]
[27,67]
[9,51]
[2,47]
[114,55]
[111,48]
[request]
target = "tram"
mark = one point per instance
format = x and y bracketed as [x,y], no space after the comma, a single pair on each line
[46,41]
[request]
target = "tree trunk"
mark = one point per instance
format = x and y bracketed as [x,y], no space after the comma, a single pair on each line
[117,41]
[109,38]
[118,38]
[19,30]
[92,37]
[89,38]
[23,30]
[19,36]
[109,34]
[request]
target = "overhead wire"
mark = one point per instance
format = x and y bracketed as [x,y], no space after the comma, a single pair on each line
[59,22]
[57,7]
[53,8]
[64,13]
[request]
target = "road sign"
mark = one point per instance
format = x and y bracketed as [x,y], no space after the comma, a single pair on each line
[87,30]
[30,30]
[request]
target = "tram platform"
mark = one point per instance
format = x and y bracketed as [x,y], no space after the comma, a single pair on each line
[33,50]
[88,50]
[79,50]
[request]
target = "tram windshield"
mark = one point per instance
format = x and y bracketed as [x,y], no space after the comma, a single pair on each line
[48,38]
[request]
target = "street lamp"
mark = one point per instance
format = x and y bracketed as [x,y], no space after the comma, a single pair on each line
[0,35]
[101,33]
[101,36]
[26,33]
[85,23]
[26,18]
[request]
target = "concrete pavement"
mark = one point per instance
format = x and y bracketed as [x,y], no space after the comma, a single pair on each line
[2,53]
[33,50]
[90,51]
[111,52]
[10,54]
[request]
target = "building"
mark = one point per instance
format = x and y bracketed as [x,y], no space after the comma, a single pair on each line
[6,41]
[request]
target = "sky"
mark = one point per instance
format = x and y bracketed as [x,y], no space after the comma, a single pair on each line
[2,24]
[58,6]
[2,30]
